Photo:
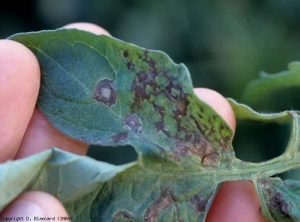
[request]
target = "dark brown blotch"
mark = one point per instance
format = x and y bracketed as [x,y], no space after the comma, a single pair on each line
[211,160]
[278,202]
[105,92]
[211,132]
[164,200]
[119,137]
[159,109]
[199,204]
[175,86]
[181,105]
[142,76]
[152,65]
[182,151]
[133,122]
[166,132]
[122,215]
[130,66]
[198,146]
[126,53]
[198,124]
[159,125]
[165,73]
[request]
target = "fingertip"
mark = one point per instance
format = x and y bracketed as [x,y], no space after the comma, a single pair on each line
[19,66]
[41,135]
[20,81]
[35,204]
[236,201]
[88,27]
[218,103]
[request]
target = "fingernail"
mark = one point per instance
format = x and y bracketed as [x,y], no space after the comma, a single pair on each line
[22,209]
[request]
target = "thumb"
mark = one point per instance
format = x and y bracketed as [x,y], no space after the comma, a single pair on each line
[34,206]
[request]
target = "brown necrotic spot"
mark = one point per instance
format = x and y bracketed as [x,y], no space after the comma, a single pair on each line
[159,109]
[166,132]
[126,53]
[142,76]
[211,160]
[279,203]
[152,66]
[181,106]
[198,146]
[159,125]
[133,122]
[199,204]
[119,137]
[164,200]
[130,66]
[105,92]
[122,215]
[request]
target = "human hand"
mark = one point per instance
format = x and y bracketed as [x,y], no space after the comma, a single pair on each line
[25,131]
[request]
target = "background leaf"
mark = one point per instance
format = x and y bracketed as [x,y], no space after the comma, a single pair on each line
[259,90]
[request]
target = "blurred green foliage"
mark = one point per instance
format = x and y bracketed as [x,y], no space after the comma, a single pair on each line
[225,44]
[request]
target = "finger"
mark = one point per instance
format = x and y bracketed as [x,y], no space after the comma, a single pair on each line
[34,204]
[88,27]
[236,201]
[19,80]
[40,134]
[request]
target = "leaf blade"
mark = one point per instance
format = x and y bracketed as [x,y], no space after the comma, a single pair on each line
[107,92]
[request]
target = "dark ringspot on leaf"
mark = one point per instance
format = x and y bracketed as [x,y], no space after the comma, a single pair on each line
[105,92]
[133,122]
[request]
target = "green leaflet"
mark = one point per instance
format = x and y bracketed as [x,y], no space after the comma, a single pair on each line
[261,88]
[107,92]
[71,178]
[279,199]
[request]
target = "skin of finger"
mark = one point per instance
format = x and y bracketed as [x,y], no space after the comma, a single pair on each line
[48,206]
[236,200]
[20,81]
[88,27]
[40,134]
